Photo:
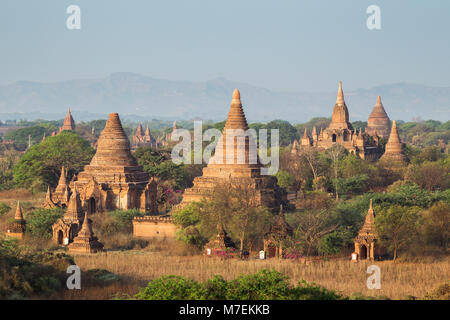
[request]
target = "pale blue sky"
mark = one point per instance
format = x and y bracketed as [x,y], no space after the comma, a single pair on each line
[281,45]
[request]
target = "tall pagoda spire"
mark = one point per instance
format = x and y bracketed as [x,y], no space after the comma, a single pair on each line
[63,177]
[340,117]
[18,216]
[235,131]
[236,117]
[139,130]
[69,123]
[340,95]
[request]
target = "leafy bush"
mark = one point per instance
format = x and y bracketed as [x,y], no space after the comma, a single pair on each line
[285,179]
[40,221]
[263,285]
[4,208]
[24,275]
[114,222]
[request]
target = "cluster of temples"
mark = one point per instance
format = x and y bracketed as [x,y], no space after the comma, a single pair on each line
[113,180]
[362,144]
[146,139]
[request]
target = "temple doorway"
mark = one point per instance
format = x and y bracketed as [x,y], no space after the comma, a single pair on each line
[60,237]
[334,137]
[272,251]
[92,206]
[363,252]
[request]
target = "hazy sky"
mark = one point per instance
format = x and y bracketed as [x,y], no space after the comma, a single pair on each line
[281,45]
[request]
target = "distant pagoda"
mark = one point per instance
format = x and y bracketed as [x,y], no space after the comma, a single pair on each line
[69,123]
[394,148]
[378,123]
[224,165]
[16,229]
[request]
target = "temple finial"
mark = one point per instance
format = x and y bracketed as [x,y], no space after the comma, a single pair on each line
[340,95]
[379,100]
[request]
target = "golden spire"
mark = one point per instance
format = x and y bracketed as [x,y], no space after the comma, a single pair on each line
[370,217]
[236,97]
[236,117]
[305,135]
[85,230]
[62,178]
[18,215]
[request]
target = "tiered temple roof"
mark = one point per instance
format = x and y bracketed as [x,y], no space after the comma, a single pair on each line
[378,122]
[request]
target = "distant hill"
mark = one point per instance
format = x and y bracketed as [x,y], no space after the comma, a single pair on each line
[142,97]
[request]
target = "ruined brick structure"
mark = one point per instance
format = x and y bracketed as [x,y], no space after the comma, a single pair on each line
[161,227]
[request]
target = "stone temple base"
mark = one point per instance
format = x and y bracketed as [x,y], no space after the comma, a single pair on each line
[85,246]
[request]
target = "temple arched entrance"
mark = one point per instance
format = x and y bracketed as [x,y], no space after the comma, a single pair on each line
[92,205]
[363,252]
[60,237]
[272,251]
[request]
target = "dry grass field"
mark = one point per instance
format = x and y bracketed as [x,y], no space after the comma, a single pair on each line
[398,280]
[136,267]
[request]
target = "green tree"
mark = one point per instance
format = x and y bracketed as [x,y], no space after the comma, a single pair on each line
[158,163]
[285,179]
[397,227]
[40,221]
[437,224]
[41,164]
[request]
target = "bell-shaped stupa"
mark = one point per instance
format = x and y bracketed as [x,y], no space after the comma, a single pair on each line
[378,122]
[235,160]
[394,147]
[113,179]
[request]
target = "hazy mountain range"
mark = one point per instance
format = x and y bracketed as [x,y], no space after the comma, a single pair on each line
[143,97]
